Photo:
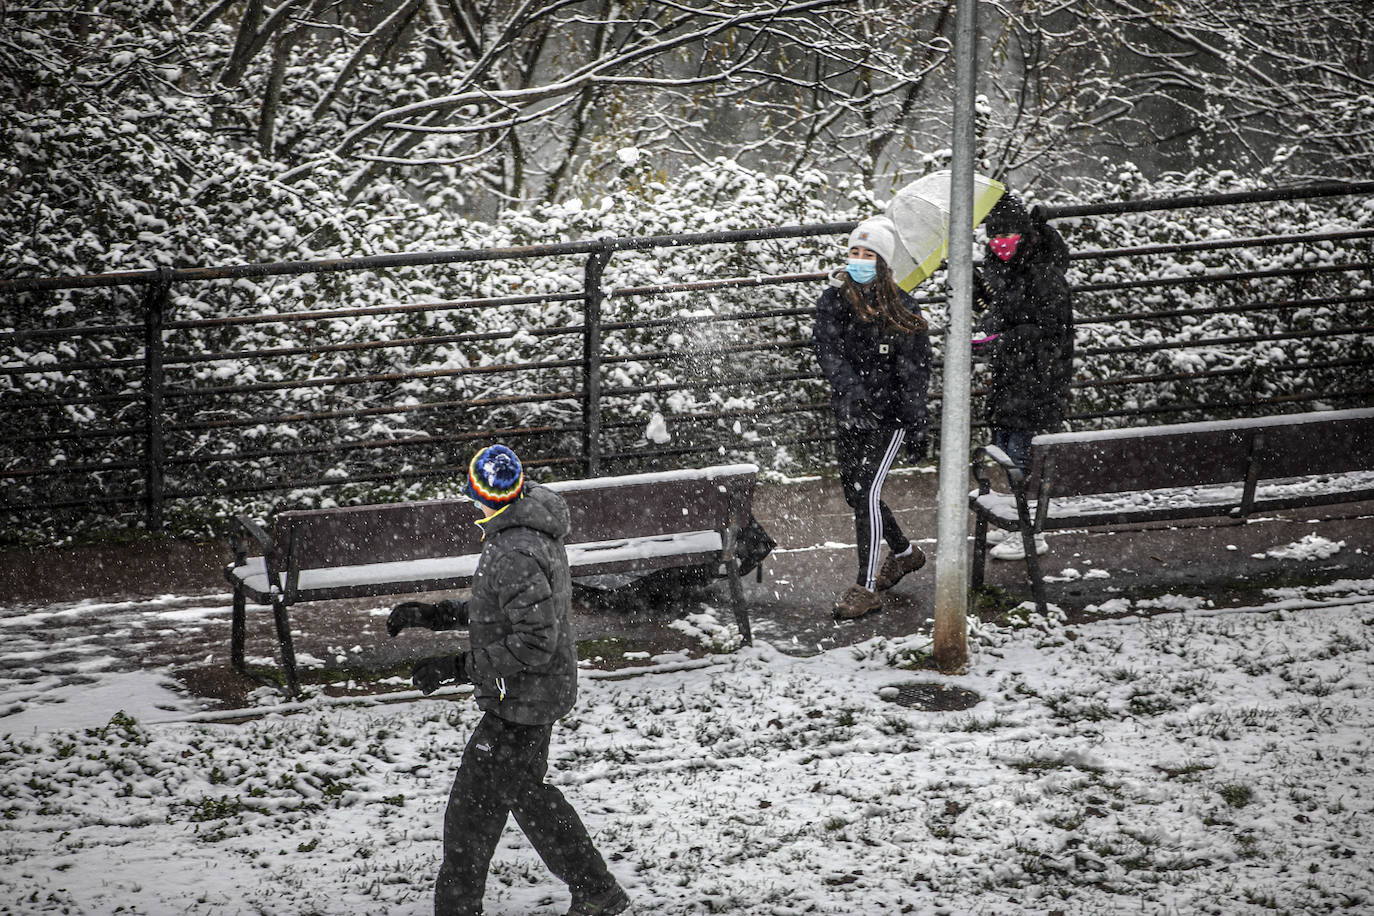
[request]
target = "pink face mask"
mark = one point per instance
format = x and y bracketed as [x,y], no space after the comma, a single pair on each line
[1004,247]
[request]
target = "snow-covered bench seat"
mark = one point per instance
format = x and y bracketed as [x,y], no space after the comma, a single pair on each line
[1183,470]
[632,523]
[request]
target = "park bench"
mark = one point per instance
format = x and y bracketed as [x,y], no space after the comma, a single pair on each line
[633,523]
[1159,473]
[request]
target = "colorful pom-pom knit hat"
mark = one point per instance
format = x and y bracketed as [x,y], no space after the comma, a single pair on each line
[495,477]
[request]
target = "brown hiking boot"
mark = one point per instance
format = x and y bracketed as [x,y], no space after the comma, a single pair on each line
[895,567]
[856,602]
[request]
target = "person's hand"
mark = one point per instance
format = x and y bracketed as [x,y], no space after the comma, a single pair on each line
[446,615]
[916,447]
[429,673]
[408,614]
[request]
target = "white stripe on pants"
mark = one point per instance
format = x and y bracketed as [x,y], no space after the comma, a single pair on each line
[875,498]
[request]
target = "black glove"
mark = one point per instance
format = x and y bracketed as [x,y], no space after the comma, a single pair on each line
[916,448]
[429,673]
[446,615]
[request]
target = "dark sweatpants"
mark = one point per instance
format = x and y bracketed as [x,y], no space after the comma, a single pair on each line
[503,773]
[865,456]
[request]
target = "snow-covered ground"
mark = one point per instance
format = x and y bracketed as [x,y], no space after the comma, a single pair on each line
[1192,761]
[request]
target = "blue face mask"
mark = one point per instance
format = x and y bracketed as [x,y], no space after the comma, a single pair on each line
[862,271]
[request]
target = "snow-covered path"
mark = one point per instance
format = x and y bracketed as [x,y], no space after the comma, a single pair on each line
[1190,762]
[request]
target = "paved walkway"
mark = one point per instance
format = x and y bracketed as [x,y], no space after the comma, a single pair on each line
[166,604]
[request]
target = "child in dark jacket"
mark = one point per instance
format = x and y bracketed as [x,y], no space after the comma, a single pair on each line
[873,346]
[523,667]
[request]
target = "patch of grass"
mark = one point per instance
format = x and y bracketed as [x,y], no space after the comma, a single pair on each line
[1182,770]
[216,809]
[976,724]
[1145,702]
[610,647]
[992,602]
[1236,795]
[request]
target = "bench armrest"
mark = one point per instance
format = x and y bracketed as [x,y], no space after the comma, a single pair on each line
[240,546]
[1016,478]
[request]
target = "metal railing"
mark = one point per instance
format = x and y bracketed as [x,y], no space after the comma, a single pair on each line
[132,413]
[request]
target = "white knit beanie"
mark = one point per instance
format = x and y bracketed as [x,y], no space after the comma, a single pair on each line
[877,233]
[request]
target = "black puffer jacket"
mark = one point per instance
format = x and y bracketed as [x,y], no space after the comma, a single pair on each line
[876,373]
[1030,310]
[524,657]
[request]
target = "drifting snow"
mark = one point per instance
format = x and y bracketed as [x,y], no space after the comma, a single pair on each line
[1204,761]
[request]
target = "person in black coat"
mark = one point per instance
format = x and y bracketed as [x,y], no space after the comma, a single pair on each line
[1027,334]
[873,346]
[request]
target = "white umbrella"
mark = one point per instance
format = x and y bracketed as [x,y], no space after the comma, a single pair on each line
[920,212]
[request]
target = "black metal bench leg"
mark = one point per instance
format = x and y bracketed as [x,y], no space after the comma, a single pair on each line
[238,626]
[288,651]
[1037,584]
[980,550]
[737,599]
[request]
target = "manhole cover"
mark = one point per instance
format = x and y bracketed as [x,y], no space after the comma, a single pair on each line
[931,697]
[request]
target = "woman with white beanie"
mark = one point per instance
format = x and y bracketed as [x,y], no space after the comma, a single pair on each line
[874,348]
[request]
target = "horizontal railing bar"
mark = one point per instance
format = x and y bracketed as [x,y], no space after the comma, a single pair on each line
[397,410]
[329,482]
[1279,306]
[1296,192]
[1222,277]
[338,381]
[243,422]
[702,449]
[1223,405]
[705,285]
[377,444]
[56,470]
[421,259]
[366,345]
[294,317]
[689,321]
[1257,241]
[1222,342]
[86,502]
[720,415]
[1284,369]
[444,305]
[11,404]
[109,433]
[723,383]
[697,352]
[83,366]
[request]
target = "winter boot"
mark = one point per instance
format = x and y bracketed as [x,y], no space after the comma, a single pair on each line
[1013,548]
[608,902]
[895,567]
[856,602]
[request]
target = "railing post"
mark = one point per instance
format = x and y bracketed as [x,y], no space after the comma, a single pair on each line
[154,308]
[591,361]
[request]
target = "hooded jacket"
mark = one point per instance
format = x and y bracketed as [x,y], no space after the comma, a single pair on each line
[876,374]
[523,660]
[1030,309]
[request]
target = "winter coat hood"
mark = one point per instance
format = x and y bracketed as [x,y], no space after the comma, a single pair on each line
[538,508]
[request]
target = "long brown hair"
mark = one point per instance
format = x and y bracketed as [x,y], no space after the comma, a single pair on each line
[885,302]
